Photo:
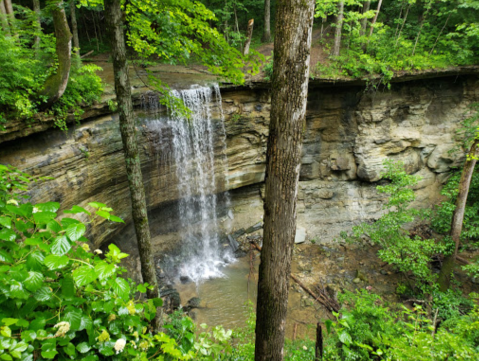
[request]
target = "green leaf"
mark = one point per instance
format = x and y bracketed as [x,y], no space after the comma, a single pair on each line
[68,288]
[158,302]
[5,256]
[116,219]
[70,349]
[6,222]
[28,335]
[54,261]
[34,281]
[96,205]
[8,235]
[35,260]
[121,288]
[9,321]
[48,206]
[43,294]
[60,246]
[84,275]
[43,217]
[73,315]
[77,209]
[105,270]
[103,214]
[54,226]
[345,338]
[83,347]
[75,231]
[33,241]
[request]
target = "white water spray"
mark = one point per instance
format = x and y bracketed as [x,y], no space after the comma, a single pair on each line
[193,148]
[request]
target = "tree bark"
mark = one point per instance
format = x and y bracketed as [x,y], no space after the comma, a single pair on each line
[364,21]
[292,46]
[267,22]
[56,84]
[249,34]
[402,26]
[440,33]
[375,18]
[4,19]
[339,28]
[114,19]
[37,9]
[10,14]
[73,18]
[458,216]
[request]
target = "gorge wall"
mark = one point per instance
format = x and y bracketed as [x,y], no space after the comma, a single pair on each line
[348,133]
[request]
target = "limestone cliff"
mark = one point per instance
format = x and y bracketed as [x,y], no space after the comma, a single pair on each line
[348,133]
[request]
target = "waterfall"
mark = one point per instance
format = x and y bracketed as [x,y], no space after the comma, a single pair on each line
[193,142]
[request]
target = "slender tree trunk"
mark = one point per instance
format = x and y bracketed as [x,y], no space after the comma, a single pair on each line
[400,16]
[292,47]
[458,216]
[236,18]
[420,30]
[37,10]
[56,84]
[86,29]
[339,28]
[364,21]
[402,26]
[10,13]
[249,34]
[267,21]
[440,33]
[4,19]
[76,41]
[375,18]
[114,19]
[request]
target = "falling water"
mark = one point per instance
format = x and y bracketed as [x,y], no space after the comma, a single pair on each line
[192,143]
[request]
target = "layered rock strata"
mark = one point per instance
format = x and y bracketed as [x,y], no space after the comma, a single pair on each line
[348,133]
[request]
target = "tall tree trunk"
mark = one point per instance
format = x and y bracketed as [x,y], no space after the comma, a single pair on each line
[458,216]
[37,9]
[267,21]
[249,34]
[339,28]
[11,16]
[56,84]
[114,19]
[400,16]
[364,21]
[423,18]
[375,18]
[73,17]
[4,19]
[439,35]
[292,48]
[402,26]
[236,18]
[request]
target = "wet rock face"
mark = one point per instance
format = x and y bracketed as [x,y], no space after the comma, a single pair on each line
[347,135]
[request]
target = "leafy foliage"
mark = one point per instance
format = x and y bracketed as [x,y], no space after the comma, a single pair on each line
[408,254]
[24,71]
[409,35]
[368,329]
[59,300]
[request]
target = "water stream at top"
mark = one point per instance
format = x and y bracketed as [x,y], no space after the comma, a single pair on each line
[194,142]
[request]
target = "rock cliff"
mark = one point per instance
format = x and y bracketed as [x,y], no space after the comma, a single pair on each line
[348,133]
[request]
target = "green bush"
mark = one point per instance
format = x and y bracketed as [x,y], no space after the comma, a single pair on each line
[411,255]
[59,300]
[24,71]
[368,329]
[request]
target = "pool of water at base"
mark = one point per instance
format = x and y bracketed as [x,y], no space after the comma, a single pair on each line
[224,300]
